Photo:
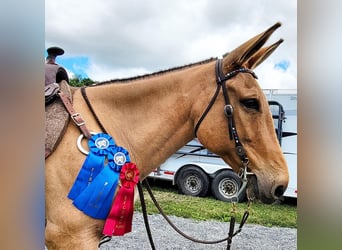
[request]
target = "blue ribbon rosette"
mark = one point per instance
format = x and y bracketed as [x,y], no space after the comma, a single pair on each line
[95,185]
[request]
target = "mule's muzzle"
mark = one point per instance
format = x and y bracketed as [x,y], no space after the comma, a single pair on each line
[254,192]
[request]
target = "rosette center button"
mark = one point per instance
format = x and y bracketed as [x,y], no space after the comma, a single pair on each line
[102,143]
[120,158]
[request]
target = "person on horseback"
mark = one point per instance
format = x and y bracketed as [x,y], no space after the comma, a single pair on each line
[54,73]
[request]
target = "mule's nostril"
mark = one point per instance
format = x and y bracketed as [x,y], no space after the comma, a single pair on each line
[279,191]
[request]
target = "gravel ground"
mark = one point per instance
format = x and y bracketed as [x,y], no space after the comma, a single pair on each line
[251,237]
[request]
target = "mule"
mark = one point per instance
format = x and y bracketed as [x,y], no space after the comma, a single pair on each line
[153,116]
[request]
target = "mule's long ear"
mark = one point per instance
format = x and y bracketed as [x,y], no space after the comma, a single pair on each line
[241,54]
[261,55]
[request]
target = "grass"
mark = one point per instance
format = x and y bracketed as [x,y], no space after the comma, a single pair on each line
[208,208]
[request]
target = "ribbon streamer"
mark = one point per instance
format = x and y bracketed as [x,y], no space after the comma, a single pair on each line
[96,200]
[90,169]
[119,220]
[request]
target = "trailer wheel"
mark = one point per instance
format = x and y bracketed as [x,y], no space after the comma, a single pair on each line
[226,185]
[193,181]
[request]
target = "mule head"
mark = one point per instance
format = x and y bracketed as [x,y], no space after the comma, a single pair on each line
[253,121]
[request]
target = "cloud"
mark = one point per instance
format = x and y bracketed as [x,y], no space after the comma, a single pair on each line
[105,72]
[123,38]
[269,78]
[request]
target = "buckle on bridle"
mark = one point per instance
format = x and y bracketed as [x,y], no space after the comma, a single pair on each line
[228,110]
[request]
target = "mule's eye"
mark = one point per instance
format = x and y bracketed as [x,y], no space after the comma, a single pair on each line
[251,103]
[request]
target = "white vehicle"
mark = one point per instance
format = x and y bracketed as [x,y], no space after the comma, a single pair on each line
[196,171]
[288,139]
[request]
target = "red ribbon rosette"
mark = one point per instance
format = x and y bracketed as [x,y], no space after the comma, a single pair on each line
[119,220]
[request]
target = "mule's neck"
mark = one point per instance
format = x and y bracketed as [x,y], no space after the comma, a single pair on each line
[151,118]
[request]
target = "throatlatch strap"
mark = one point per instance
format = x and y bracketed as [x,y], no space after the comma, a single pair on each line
[211,103]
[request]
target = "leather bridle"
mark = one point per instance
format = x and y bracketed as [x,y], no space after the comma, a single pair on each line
[221,79]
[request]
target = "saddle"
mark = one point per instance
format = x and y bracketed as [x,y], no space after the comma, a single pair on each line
[56,116]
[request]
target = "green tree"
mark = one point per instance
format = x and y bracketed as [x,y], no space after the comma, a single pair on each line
[79,81]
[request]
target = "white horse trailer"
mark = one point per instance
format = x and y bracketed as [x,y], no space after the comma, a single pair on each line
[196,171]
[288,139]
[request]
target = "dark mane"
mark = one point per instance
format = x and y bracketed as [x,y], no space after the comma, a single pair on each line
[122,80]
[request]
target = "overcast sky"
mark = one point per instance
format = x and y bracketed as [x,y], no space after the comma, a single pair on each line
[108,39]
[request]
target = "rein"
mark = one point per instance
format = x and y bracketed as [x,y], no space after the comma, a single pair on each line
[231,232]
[228,111]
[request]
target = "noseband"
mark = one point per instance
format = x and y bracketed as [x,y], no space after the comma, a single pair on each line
[228,109]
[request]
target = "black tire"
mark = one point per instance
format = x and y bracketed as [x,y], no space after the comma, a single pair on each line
[193,181]
[225,186]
